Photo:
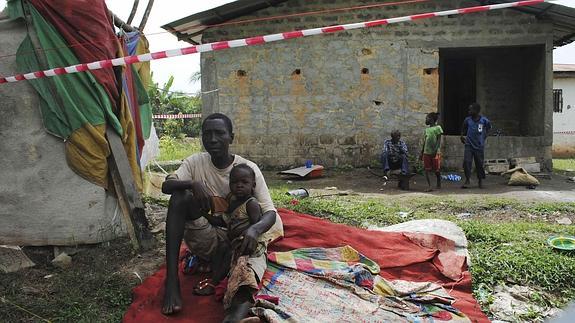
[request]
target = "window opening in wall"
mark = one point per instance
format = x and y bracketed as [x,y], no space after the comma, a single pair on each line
[459,91]
[364,71]
[241,73]
[558,100]
[296,72]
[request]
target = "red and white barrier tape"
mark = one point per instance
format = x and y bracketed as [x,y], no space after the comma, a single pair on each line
[570,132]
[255,41]
[177,116]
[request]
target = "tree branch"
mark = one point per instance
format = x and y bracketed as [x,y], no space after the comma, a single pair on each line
[133,13]
[146,15]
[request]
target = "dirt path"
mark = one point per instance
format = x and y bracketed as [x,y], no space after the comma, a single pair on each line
[364,181]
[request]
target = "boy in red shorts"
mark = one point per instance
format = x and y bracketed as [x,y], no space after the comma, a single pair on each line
[430,149]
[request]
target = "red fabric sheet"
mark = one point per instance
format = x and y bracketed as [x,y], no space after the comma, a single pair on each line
[399,255]
[87,28]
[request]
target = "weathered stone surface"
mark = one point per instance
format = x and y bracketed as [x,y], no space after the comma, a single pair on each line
[42,201]
[363,84]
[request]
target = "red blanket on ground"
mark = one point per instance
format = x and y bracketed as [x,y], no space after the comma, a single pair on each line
[399,255]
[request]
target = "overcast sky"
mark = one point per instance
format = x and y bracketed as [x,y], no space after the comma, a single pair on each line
[165,11]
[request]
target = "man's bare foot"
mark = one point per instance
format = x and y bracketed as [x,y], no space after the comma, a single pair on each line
[237,312]
[172,298]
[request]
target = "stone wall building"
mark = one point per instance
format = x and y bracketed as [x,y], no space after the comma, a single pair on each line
[335,98]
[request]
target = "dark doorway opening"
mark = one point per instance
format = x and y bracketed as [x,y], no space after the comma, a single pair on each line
[508,83]
[459,91]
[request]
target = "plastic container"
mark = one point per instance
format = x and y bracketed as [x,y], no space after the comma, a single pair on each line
[300,192]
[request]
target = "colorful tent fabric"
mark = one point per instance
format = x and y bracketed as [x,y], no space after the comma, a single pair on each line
[399,257]
[87,28]
[79,107]
[74,107]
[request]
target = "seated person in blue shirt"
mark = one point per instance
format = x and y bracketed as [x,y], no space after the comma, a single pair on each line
[473,135]
[394,154]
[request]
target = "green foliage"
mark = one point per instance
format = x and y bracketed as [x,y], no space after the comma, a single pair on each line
[172,128]
[165,101]
[178,149]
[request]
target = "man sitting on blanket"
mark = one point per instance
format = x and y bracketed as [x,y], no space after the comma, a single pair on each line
[199,186]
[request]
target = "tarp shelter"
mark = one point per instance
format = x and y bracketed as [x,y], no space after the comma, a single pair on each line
[55,154]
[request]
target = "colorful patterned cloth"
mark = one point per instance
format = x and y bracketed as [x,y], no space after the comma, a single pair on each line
[338,285]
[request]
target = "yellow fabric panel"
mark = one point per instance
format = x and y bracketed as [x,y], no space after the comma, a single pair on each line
[129,140]
[143,69]
[87,153]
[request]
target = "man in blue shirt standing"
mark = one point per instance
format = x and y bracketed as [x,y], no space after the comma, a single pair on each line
[473,135]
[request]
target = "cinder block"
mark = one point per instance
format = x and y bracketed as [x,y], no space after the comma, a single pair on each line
[522,160]
[531,167]
[496,166]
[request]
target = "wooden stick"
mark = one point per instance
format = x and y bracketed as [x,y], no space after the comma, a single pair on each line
[120,23]
[133,12]
[127,193]
[146,15]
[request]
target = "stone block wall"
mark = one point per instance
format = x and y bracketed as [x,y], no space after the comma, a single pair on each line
[335,98]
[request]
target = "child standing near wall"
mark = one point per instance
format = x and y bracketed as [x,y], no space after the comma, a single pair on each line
[430,150]
[473,135]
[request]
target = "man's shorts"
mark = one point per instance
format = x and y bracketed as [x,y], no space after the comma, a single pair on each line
[431,162]
[203,240]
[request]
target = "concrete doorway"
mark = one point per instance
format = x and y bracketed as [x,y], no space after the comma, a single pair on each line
[508,82]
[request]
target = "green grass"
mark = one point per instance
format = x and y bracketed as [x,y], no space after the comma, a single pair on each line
[502,251]
[178,149]
[564,165]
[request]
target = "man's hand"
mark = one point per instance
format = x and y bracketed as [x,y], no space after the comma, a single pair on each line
[463,140]
[250,241]
[202,196]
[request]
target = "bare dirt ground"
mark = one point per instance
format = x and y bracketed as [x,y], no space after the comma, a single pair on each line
[369,183]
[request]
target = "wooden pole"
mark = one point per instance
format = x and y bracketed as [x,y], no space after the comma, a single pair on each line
[120,23]
[133,12]
[129,198]
[146,15]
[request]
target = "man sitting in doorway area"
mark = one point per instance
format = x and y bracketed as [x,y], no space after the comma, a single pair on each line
[394,154]
[198,187]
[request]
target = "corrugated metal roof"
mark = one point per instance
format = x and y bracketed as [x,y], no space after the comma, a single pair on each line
[563,19]
[190,28]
